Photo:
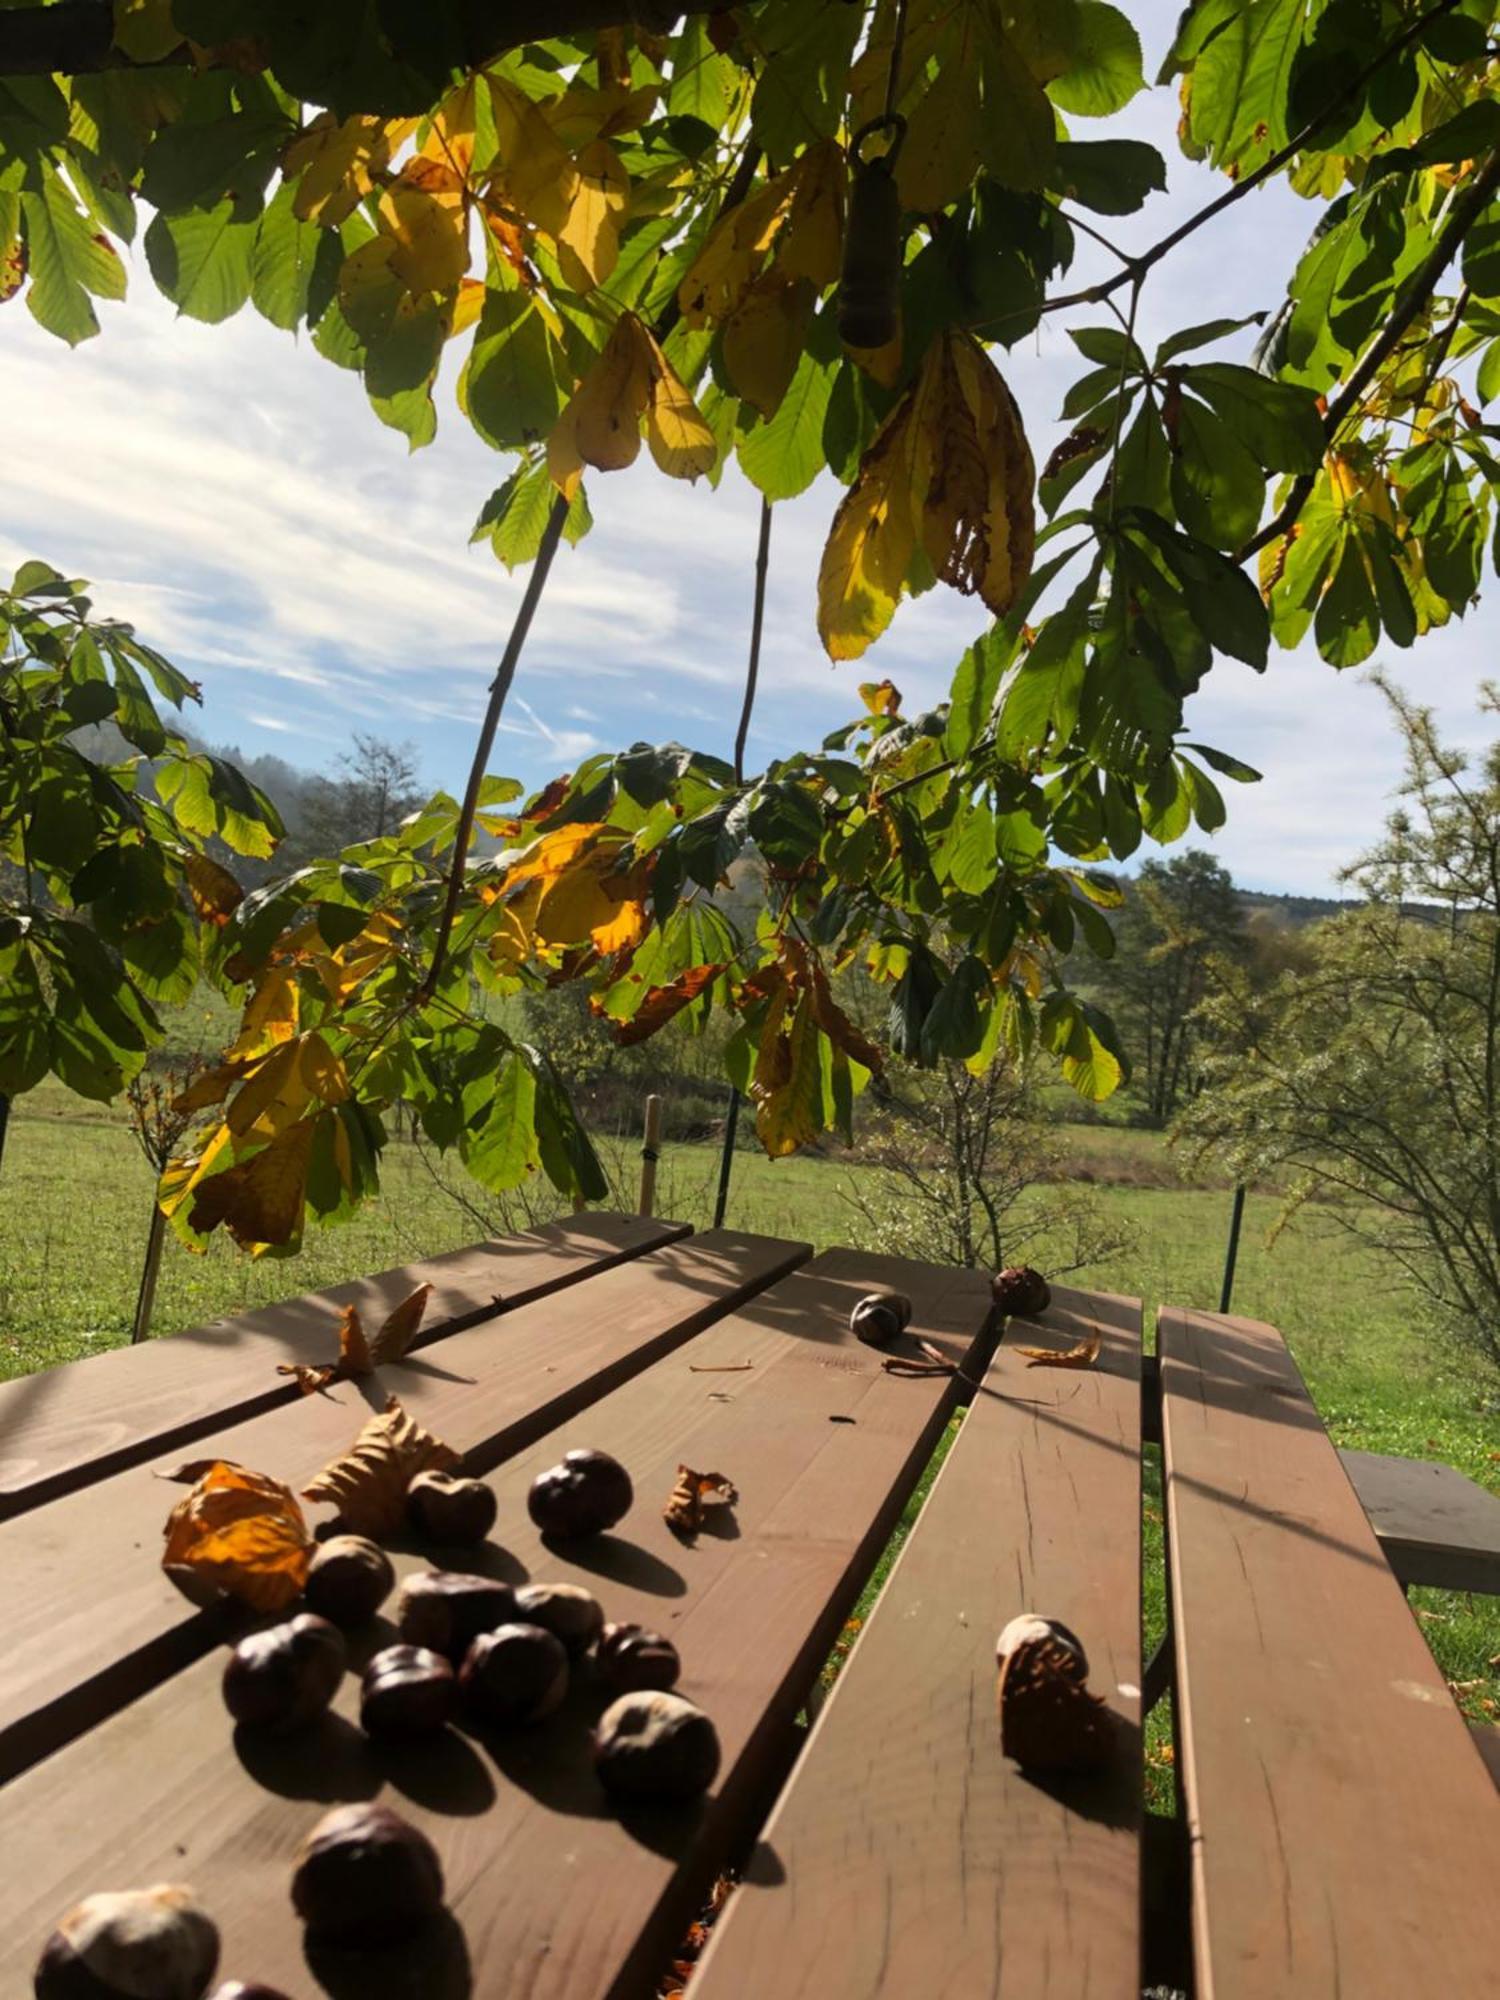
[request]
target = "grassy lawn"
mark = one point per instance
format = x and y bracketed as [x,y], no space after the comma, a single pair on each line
[77,1202]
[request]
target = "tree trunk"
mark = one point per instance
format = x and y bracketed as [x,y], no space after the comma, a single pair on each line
[146,1297]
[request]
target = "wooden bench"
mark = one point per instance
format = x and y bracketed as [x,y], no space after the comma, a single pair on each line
[1343,1824]
[1434,1525]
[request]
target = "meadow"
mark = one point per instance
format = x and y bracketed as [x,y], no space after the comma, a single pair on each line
[77,1198]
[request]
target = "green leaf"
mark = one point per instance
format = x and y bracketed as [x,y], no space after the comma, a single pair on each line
[1202,336]
[804,81]
[1482,256]
[500,1149]
[67,262]
[1204,795]
[204,161]
[955,1022]
[25,1050]
[514,518]
[1347,623]
[203,259]
[1110,176]
[1468,135]
[1218,489]
[567,1154]
[912,1001]
[410,411]
[285,257]
[1277,421]
[700,76]
[510,387]
[783,457]
[1104,68]
[1224,602]
[1225,765]
[1110,348]
[967,857]
[1045,689]
[786,823]
[1489,373]
[972,696]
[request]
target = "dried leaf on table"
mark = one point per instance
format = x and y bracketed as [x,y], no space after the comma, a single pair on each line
[1082,1354]
[240,1532]
[360,1355]
[400,1329]
[694,1492]
[309,1380]
[368,1483]
[354,1352]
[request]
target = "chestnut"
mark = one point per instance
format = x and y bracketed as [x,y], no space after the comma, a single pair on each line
[446,1508]
[285,1676]
[879,1317]
[364,1875]
[121,1946]
[351,1577]
[447,1611]
[518,1673]
[237,1989]
[406,1691]
[587,1492]
[566,1610]
[1028,1626]
[1018,1289]
[652,1745]
[631,1658]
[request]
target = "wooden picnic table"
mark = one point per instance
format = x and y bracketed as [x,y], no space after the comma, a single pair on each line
[1338,1832]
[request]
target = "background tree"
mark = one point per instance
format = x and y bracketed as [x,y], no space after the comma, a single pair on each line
[1373,1069]
[379,786]
[1178,917]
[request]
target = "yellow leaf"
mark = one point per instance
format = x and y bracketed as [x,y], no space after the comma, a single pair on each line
[789,1112]
[261,1199]
[365,953]
[677,432]
[431,252]
[215,893]
[450,136]
[880,697]
[950,469]
[181,1176]
[589,246]
[368,1483]
[881,364]
[467,306]
[534,170]
[583,113]
[270,1015]
[601,425]
[812,237]
[764,338]
[335,163]
[1082,1354]
[720,274]
[273,1098]
[240,1532]
[944,139]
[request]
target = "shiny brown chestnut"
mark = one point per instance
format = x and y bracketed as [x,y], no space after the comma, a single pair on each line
[879,1317]
[447,1508]
[364,1875]
[566,1610]
[655,1746]
[517,1673]
[448,1611]
[406,1691]
[121,1946]
[1019,1290]
[584,1494]
[284,1677]
[351,1577]
[631,1658]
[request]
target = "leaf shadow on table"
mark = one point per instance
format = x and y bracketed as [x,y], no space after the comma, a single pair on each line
[621,1562]
[432,1964]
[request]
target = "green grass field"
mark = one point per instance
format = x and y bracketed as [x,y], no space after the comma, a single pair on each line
[76,1205]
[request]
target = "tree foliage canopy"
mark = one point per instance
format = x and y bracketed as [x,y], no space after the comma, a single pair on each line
[794,233]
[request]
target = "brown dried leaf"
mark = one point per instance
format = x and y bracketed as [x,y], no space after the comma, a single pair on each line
[354,1352]
[693,1492]
[368,1483]
[400,1328]
[240,1532]
[311,1381]
[1082,1354]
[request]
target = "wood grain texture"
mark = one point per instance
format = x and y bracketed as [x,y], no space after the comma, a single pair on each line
[1435,1525]
[63,1427]
[95,1620]
[907,1856]
[1344,1832]
[554,1897]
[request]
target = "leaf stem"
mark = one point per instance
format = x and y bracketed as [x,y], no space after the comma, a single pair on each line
[757,619]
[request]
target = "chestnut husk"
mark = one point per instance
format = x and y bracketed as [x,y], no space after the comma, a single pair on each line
[447,1611]
[124,1945]
[445,1507]
[365,1875]
[655,1746]
[285,1677]
[350,1578]
[518,1673]
[407,1691]
[585,1493]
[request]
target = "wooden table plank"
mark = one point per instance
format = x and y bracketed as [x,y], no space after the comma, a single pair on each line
[907,1855]
[1435,1525]
[96,1620]
[62,1427]
[1344,1832]
[557,1897]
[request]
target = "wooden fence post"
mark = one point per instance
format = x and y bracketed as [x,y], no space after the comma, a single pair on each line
[650,1153]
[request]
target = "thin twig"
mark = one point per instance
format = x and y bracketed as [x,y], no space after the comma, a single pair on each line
[757,620]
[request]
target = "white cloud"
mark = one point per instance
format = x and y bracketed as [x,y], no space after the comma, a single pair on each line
[234,495]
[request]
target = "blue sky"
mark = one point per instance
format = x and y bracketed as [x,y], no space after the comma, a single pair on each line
[232,493]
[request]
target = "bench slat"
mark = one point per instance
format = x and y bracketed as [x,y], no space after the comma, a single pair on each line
[95,1620]
[558,1898]
[907,1855]
[1435,1525]
[63,1427]
[1344,1833]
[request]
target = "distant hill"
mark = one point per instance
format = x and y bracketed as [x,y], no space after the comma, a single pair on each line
[1295,913]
